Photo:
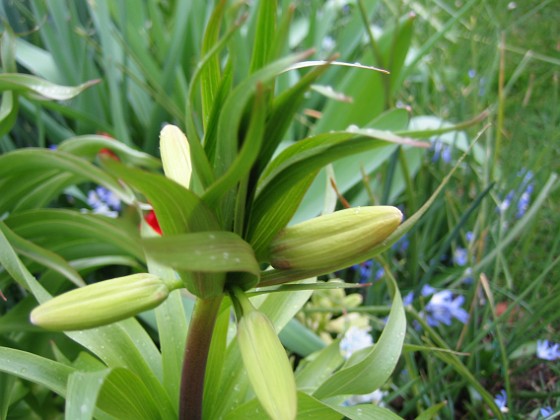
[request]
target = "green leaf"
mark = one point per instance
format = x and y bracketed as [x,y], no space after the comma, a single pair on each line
[13,265]
[210,73]
[37,369]
[35,189]
[49,226]
[124,395]
[264,34]
[367,370]
[8,112]
[272,277]
[286,172]
[234,107]
[234,385]
[89,146]
[206,252]
[17,318]
[358,84]
[110,57]
[242,164]
[178,210]
[431,412]
[124,344]
[37,60]
[82,392]
[349,170]
[282,112]
[37,88]
[171,326]
[313,371]
[308,408]
[369,411]
[43,256]
[24,161]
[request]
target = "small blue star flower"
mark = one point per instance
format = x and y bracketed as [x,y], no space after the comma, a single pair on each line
[443,307]
[501,401]
[103,201]
[547,350]
[547,411]
[461,257]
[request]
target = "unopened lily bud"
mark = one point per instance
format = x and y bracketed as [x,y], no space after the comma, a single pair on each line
[267,365]
[175,155]
[103,303]
[334,240]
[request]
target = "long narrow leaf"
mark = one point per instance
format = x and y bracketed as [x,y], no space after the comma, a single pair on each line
[364,373]
[37,88]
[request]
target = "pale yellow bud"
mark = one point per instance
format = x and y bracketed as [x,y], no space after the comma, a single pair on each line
[267,365]
[175,155]
[335,240]
[103,303]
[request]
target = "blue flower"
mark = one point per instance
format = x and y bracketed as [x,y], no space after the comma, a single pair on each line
[524,201]
[547,350]
[523,194]
[441,150]
[407,300]
[355,339]
[103,201]
[427,290]
[401,245]
[547,411]
[367,268]
[461,257]
[443,307]
[504,205]
[501,401]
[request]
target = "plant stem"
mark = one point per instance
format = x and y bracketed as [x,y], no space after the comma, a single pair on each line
[196,355]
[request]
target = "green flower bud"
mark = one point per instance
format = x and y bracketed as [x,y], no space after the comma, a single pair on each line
[103,303]
[175,155]
[267,365]
[335,240]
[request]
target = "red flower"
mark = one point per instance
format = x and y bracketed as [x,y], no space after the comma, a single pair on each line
[152,220]
[108,153]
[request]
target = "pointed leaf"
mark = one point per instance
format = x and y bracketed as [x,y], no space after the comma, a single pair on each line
[89,147]
[367,371]
[32,159]
[178,210]
[286,172]
[42,225]
[37,369]
[210,252]
[43,256]
[37,88]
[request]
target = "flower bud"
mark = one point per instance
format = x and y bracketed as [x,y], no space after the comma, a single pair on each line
[103,303]
[335,240]
[175,155]
[267,365]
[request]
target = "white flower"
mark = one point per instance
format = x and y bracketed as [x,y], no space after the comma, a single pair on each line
[375,397]
[355,339]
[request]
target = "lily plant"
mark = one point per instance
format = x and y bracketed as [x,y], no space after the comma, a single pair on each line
[224,238]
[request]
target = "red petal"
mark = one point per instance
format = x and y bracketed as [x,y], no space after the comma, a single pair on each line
[152,220]
[109,153]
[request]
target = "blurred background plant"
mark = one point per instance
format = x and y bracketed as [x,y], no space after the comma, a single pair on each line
[477,273]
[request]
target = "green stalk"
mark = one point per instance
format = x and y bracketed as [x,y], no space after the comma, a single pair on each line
[196,355]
